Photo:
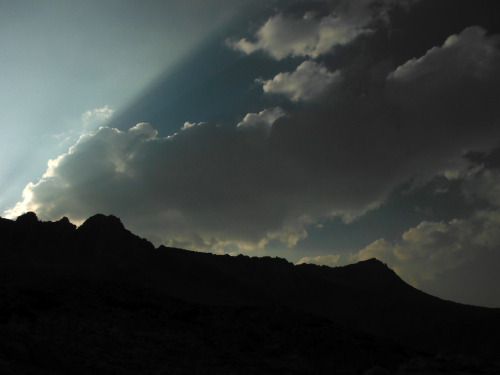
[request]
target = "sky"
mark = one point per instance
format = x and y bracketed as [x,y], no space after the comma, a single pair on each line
[323,132]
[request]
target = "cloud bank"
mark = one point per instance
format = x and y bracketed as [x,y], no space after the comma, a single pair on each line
[271,175]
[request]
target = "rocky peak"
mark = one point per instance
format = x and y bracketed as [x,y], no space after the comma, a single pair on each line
[65,221]
[102,224]
[372,263]
[105,237]
[29,218]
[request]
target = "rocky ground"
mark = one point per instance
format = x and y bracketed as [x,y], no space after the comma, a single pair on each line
[93,328]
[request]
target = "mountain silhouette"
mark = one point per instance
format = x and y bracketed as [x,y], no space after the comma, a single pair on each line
[99,299]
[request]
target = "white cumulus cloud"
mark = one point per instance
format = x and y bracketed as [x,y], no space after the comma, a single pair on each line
[264,119]
[283,36]
[188,125]
[96,117]
[312,35]
[471,52]
[307,82]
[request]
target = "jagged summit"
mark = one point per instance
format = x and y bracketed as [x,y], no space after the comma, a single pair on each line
[100,239]
[65,225]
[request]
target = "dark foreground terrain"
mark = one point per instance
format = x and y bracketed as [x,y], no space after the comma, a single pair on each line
[100,300]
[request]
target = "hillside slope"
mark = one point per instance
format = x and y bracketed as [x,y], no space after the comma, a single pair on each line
[63,287]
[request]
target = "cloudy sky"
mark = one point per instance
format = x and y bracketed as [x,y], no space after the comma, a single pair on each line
[318,131]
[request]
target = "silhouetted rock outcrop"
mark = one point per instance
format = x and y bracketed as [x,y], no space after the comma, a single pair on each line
[62,289]
[104,239]
[29,219]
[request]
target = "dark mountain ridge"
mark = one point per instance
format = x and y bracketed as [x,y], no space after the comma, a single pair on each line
[103,266]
